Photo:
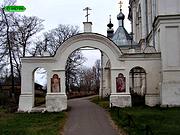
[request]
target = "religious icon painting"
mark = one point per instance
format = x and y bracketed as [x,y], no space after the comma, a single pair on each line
[120,83]
[55,84]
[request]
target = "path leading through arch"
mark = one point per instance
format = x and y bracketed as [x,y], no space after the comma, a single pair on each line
[86,118]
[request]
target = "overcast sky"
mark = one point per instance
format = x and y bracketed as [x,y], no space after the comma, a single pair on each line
[55,12]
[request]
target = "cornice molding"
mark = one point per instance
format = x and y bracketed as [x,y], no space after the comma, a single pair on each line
[160,18]
[38,60]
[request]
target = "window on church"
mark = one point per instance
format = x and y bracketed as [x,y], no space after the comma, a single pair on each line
[137,85]
[138,81]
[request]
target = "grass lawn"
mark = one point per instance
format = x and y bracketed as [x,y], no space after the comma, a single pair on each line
[31,124]
[161,121]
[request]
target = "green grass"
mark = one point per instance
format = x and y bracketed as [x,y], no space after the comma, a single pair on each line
[104,103]
[162,121]
[31,124]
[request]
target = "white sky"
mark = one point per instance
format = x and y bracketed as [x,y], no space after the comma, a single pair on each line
[55,12]
[91,57]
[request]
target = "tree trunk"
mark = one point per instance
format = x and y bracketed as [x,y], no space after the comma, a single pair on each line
[10,56]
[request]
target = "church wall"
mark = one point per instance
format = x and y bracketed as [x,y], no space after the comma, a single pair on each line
[134,9]
[142,27]
[143,18]
[153,77]
[168,7]
[149,14]
[152,69]
[170,43]
[166,20]
[172,46]
[150,40]
[170,49]
[127,49]
[122,99]
[157,40]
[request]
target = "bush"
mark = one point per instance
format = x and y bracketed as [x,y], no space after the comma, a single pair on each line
[7,102]
[3,99]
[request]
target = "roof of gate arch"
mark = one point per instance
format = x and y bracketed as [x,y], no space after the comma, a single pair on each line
[92,37]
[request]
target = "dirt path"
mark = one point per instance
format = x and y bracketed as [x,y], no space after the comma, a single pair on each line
[86,118]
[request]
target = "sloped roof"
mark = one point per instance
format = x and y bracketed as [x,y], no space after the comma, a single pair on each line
[121,37]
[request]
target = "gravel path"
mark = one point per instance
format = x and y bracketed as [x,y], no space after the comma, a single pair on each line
[86,118]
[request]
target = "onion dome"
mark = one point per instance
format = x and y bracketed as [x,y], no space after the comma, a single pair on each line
[120,16]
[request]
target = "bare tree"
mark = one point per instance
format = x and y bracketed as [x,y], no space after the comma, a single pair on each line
[87,79]
[16,33]
[26,28]
[90,77]
[9,46]
[74,62]
[97,72]
[53,39]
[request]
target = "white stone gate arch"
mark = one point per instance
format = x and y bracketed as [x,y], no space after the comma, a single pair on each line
[88,40]
[56,65]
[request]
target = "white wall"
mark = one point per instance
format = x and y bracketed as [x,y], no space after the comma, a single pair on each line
[170,49]
[168,7]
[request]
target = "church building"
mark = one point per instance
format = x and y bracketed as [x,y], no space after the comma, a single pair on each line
[144,63]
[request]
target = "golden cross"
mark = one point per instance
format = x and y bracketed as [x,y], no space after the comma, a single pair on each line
[87,12]
[120,3]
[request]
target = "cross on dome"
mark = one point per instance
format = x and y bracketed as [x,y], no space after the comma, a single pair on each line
[87,13]
[110,18]
[120,3]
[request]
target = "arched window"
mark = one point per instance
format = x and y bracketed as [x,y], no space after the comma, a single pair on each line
[138,81]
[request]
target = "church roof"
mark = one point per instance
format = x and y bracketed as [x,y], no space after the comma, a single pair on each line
[121,37]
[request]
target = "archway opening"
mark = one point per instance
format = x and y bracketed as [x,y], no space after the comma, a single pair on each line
[40,86]
[137,85]
[85,76]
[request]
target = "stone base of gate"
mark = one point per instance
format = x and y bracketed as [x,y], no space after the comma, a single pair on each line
[152,99]
[25,103]
[56,102]
[120,100]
